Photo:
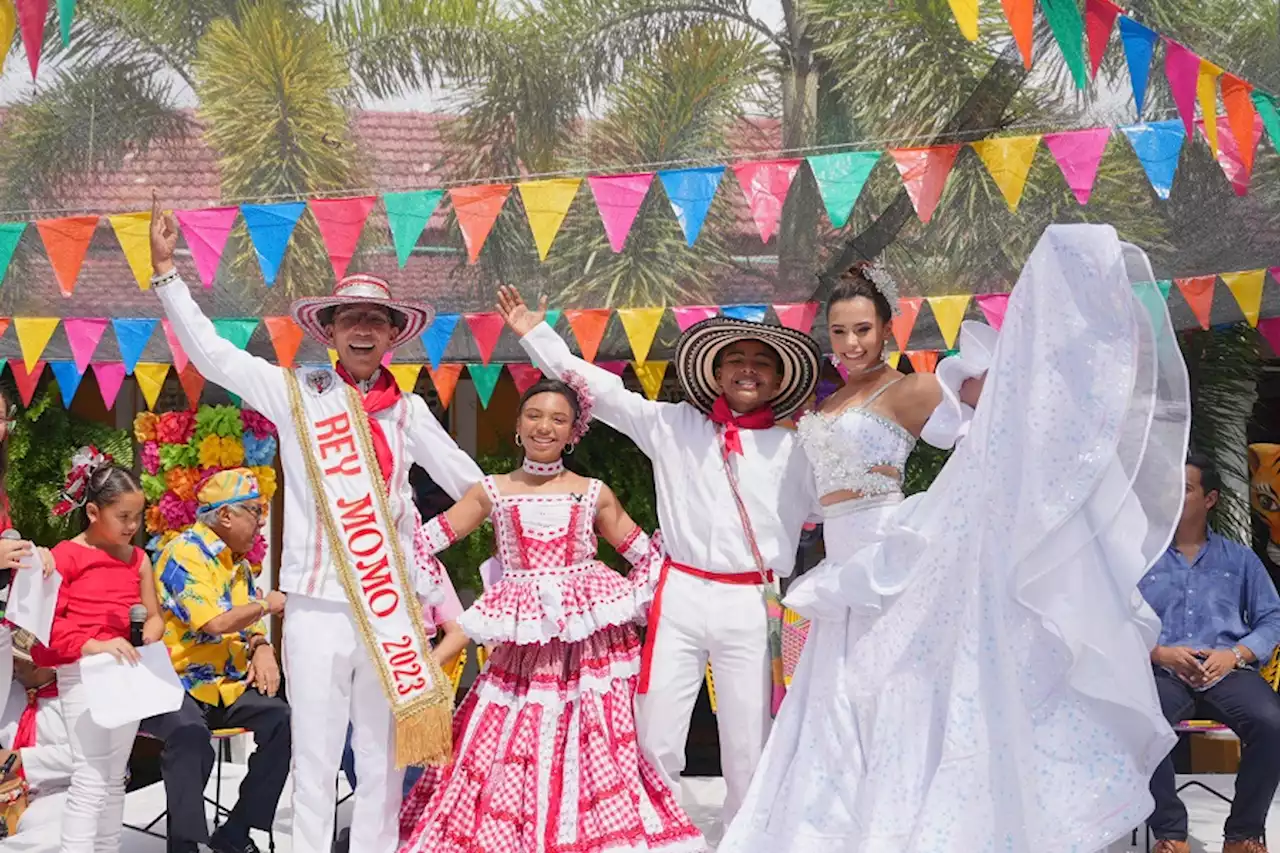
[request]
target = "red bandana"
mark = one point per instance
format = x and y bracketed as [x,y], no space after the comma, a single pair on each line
[25,736]
[761,418]
[383,395]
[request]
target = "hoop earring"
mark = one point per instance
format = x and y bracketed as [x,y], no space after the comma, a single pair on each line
[519,440]
[568,449]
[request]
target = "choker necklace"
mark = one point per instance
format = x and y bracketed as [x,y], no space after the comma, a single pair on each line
[542,469]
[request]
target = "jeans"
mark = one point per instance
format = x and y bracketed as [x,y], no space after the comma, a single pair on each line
[411,774]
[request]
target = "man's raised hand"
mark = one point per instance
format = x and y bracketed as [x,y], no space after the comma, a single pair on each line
[164,237]
[517,315]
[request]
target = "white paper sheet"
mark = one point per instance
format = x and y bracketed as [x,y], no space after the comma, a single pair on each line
[120,693]
[6,665]
[32,599]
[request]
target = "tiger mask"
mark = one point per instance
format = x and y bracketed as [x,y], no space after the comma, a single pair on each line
[1264,492]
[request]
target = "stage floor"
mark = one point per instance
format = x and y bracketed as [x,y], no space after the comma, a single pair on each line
[702,798]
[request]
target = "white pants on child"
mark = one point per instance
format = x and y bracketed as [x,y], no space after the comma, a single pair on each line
[94,813]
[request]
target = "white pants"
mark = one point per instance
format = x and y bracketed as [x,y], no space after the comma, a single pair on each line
[702,618]
[94,812]
[331,682]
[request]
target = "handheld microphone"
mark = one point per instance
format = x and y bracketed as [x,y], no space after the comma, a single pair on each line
[137,616]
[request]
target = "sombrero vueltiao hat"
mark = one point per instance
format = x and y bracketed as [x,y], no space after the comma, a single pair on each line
[698,347]
[315,312]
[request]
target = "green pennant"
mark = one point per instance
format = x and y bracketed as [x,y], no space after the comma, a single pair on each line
[841,178]
[1155,300]
[553,316]
[237,330]
[10,234]
[485,377]
[1068,29]
[66,10]
[407,215]
[1266,106]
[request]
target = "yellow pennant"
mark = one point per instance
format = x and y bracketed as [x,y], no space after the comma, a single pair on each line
[1207,90]
[949,312]
[640,324]
[333,358]
[546,203]
[133,230]
[33,336]
[1009,159]
[8,26]
[406,375]
[650,374]
[966,12]
[894,358]
[1246,287]
[150,376]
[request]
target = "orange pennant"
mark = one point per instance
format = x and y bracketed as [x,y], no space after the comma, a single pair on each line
[445,380]
[192,384]
[66,241]
[286,337]
[1198,291]
[924,174]
[905,320]
[588,327]
[1241,116]
[923,360]
[26,380]
[1021,17]
[476,209]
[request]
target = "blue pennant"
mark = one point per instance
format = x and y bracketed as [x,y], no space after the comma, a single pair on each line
[750,313]
[1139,43]
[1158,145]
[68,377]
[132,335]
[435,340]
[691,192]
[270,227]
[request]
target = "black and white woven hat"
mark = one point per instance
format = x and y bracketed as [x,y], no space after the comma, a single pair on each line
[698,347]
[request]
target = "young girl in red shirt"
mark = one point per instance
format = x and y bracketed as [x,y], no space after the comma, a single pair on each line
[103,575]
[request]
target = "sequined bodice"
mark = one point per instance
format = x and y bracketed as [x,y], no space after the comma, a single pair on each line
[844,448]
[544,533]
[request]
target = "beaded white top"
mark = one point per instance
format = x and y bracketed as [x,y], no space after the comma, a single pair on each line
[845,447]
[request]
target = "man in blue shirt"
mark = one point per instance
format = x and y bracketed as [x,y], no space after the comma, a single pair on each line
[1220,618]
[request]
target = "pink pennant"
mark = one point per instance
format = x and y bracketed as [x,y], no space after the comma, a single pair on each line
[1182,67]
[83,335]
[1078,154]
[31,18]
[1270,329]
[843,371]
[618,198]
[765,184]
[486,329]
[798,316]
[341,220]
[690,314]
[206,233]
[386,358]
[1099,18]
[615,367]
[1233,165]
[110,376]
[924,174]
[175,347]
[994,306]
[525,376]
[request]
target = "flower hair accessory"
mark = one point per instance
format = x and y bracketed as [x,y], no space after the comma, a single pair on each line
[75,491]
[582,422]
[879,277]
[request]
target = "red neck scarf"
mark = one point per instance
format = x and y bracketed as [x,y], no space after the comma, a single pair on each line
[761,418]
[25,736]
[383,395]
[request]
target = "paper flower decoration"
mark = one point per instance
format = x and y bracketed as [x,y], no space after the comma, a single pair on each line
[257,552]
[178,455]
[175,428]
[155,520]
[153,487]
[144,426]
[257,424]
[266,481]
[218,452]
[258,451]
[182,482]
[150,457]
[222,421]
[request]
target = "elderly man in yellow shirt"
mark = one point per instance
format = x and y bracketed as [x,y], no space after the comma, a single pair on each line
[214,631]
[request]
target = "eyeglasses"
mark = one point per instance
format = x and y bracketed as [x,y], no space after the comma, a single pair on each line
[257,510]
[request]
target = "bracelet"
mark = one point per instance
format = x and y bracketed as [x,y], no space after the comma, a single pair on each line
[1240,661]
[167,278]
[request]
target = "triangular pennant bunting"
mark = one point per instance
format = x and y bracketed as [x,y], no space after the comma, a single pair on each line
[1241,118]
[206,232]
[1246,287]
[650,374]
[1182,68]
[640,325]
[286,337]
[83,336]
[485,329]
[445,379]
[750,313]
[840,179]
[150,376]
[109,376]
[765,184]
[477,209]
[1154,296]
[8,29]
[923,361]
[26,380]
[687,315]
[133,231]
[924,174]
[1198,291]
[1078,154]
[33,336]
[405,375]
[437,336]
[1021,17]
[333,357]
[618,199]
[66,11]
[407,216]
[66,241]
[894,359]
[525,376]
[798,316]
[1099,19]
[1270,329]
[237,330]
[588,326]
[175,347]
[1139,45]
[132,335]
[270,229]
[1158,145]
[192,384]
[994,306]
[690,192]
[31,17]
[905,320]
[617,368]
[552,317]
[341,222]
[485,378]
[1266,107]
[1207,94]
[1009,159]
[1068,30]
[949,312]
[546,203]
[68,377]
[1231,159]
[966,12]
[10,236]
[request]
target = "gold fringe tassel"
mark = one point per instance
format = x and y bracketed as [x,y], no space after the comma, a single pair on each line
[425,737]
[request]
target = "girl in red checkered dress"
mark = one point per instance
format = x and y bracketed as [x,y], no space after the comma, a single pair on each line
[546,758]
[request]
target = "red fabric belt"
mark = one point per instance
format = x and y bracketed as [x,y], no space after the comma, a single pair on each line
[655,608]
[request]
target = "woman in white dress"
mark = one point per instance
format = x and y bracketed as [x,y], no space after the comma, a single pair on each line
[976,676]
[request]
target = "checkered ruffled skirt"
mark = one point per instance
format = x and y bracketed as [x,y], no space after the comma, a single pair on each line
[547,760]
